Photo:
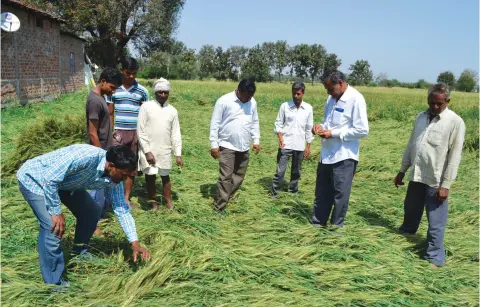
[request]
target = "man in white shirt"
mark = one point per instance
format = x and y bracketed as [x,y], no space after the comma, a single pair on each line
[293,127]
[234,122]
[345,123]
[159,136]
[434,152]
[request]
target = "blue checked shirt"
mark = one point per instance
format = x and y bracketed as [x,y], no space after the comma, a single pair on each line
[76,167]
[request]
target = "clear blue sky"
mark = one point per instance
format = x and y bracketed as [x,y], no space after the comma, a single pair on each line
[406,39]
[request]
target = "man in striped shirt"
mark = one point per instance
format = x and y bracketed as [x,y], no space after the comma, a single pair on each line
[63,176]
[124,106]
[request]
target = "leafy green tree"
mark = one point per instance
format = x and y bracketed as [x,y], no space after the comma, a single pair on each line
[447,77]
[206,61]
[361,74]
[332,62]
[467,81]
[268,49]
[280,60]
[237,56]
[186,64]
[157,65]
[256,67]
[112,24]
[301,59]
[222,66]
[318,55]
[422,84]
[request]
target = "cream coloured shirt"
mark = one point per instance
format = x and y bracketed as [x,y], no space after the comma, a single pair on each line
[158,132]
[435,148]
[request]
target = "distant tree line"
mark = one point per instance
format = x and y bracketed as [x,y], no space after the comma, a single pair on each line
[275,61]
[110,25]
[467,82]
[266,62]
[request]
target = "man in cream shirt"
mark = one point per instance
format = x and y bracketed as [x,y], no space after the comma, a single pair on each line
[159,137]
[433,153]
[345,123]
[234,122]
[293,127]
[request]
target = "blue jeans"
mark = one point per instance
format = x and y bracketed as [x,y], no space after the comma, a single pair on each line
[87,212]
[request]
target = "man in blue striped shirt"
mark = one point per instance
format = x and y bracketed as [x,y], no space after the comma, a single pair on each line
[63,176]
[124,106]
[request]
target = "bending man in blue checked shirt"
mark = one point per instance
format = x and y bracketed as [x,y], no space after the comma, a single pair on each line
[63,176]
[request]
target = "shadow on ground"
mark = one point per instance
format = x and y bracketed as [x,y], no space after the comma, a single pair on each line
[375,219]
[208,190]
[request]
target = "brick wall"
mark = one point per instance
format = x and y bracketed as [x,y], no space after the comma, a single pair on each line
[36,59]
[71,46]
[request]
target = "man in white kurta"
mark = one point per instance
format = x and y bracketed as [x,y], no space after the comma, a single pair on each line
[159,137]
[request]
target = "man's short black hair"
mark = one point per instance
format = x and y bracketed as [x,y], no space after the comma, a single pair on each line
[111,75]
[334,76]
[247,85]
[122,157]
[130,63]
[298,85]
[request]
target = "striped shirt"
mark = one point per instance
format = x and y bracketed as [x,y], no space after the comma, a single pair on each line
[127,105]
[76,167]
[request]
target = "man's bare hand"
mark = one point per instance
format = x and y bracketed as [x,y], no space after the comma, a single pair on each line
[215,153]
[442,194]
[150,158]
[179,161]
[281,143]
[325,134]
[138,250]
[399,179]
[58,225]
[306,153]
[317,129]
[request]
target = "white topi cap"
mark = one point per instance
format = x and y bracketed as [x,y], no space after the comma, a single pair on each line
[161,85]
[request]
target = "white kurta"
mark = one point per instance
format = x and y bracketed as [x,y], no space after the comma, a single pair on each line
[158,132]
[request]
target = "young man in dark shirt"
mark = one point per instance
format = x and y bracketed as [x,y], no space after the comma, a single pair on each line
[99,129]
[98,117]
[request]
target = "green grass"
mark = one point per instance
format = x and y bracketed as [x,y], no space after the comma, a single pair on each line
[263,252]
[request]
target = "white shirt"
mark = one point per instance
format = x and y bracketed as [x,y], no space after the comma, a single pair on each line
[158,132]
[435,149]
[234,123]
[295,124]
[347,118]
